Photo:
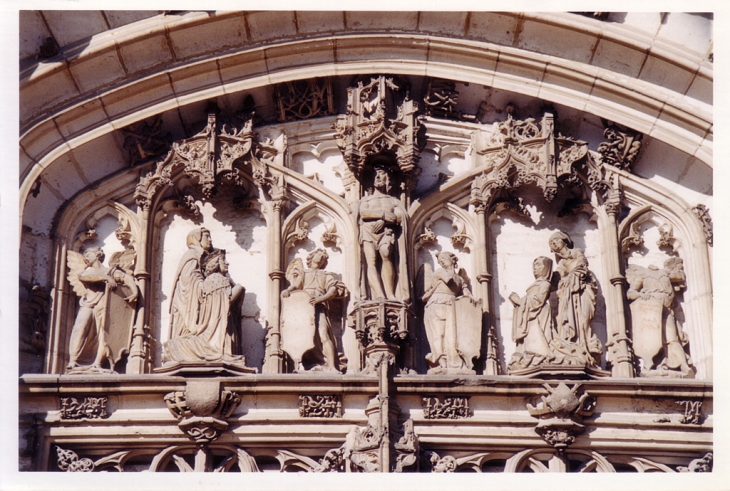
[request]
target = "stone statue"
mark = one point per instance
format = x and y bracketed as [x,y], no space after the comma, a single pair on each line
[654,326]
[451,316]
[533,324]
[92,333]
[203,301]
[302,332]
[382,220]
[575,343]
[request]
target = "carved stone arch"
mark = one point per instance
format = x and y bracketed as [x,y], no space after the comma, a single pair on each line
[534,459]
[128,231]
[641,464]
[463,223]
[691,247]
[203,459]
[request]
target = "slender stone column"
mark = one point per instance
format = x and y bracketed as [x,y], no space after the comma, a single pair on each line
[138,355]
[484,278]
[274,356]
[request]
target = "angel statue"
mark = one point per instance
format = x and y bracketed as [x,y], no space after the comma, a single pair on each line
[103,326]
[306,324]
[452,317]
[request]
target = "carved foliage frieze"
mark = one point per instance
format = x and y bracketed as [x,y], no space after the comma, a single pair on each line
[84,408]
[447,408]
[320,406]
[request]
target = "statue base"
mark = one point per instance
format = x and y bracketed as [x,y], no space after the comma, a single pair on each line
[450,371]
[202,369]
[88,370]
[569,372]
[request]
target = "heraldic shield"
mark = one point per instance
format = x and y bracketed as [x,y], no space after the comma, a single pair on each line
[119,322]
[647,317]
[297,325]
[468,329]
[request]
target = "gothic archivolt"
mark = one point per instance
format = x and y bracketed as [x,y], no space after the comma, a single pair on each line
[528,254]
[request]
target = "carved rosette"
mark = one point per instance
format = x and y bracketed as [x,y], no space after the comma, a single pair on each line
[561,414]
[522,152]
[376,123]
[202,409]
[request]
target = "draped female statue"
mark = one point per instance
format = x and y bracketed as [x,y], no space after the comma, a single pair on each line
[203,329]
[533,325]
[576,344]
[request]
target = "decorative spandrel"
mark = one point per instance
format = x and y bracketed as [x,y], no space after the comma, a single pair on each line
[102,331]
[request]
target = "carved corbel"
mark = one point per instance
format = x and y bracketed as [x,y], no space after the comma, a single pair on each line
[202,409]
[561,414]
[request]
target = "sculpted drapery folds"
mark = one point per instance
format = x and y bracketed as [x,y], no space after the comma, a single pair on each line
[321,286]
[93,282]
[441,315]
[202,300]
[533,325]
[576,344]
[654,325]
[383,238]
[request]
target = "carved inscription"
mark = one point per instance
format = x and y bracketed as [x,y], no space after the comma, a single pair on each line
[320,406]
[86,408]
[449,408]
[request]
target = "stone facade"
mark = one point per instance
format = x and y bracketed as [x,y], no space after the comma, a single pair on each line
[366,242]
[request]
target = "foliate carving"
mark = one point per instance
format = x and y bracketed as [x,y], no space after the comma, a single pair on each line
[407,448]
[202,409]
[699,465]
[306,326]
[703,213]
[448,408]
[655,328]
[561,414]
[204,458]
[522,152]
[69,461]
[633,239]
[86,408]
[304,99]
[377,122]
[441,99]
[452,317]
[299,234]
[143,140]
[103,326]
[445,464]
[320,406]
[692,413]
[622,147]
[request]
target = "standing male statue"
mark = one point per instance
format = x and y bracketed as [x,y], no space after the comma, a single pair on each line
[302,331]
[382,219]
